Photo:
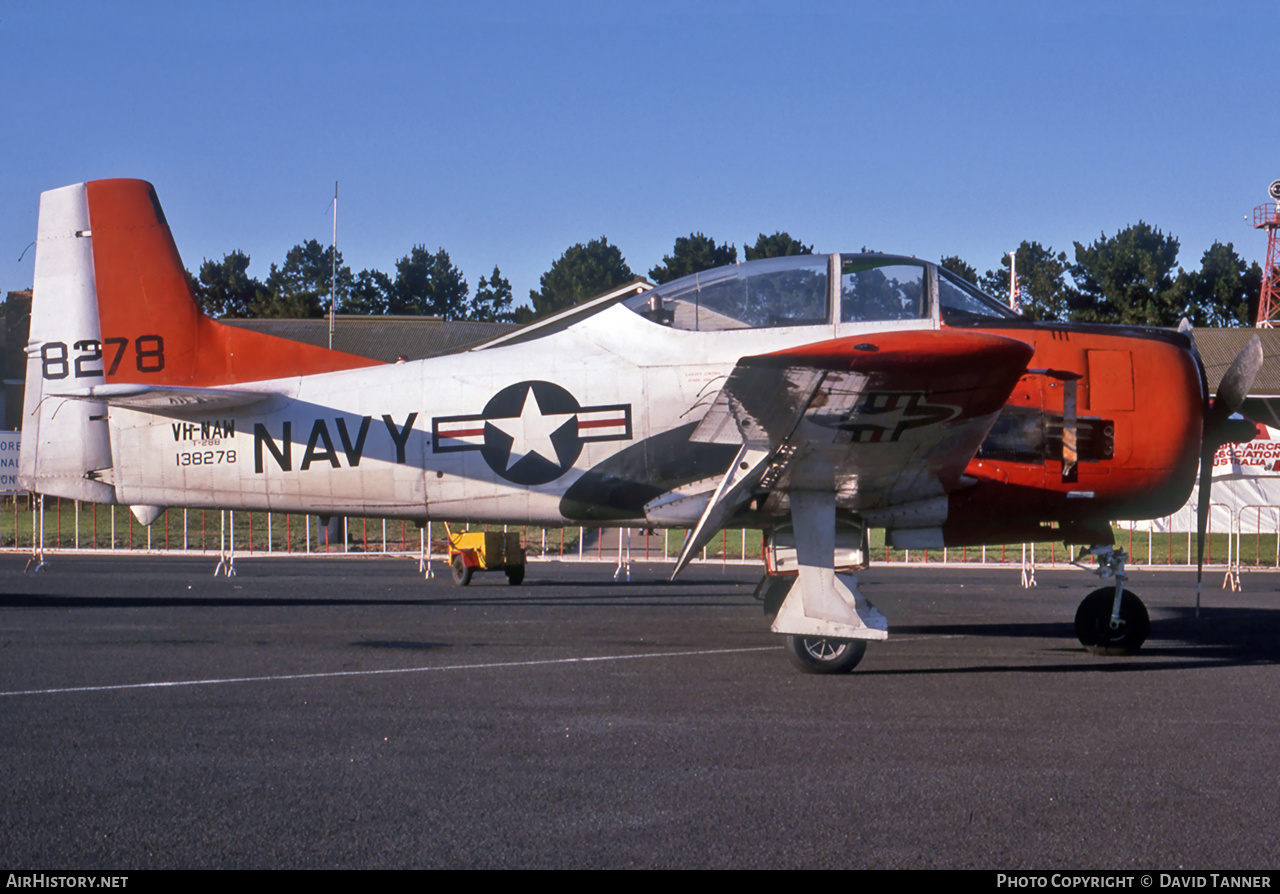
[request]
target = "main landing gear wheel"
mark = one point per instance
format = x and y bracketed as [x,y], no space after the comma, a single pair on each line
[1093,623]
[461,573]
[824,654]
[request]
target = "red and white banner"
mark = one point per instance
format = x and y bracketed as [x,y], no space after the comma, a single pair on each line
[1259,458]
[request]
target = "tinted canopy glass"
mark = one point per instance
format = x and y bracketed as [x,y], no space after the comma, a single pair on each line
[774,292]
[876,288]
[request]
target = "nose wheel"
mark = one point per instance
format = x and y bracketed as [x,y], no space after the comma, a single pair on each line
[1104,634]
[1111,620]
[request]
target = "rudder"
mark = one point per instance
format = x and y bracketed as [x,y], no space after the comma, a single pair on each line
[64,440]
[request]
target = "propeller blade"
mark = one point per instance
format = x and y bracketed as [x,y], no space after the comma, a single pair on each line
[1218,430]
[1235,385]
[1207,451]
[1185,327]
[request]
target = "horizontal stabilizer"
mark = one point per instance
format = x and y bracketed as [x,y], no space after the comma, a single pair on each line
[165,399]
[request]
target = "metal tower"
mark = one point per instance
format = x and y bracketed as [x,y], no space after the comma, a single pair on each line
[1267,217]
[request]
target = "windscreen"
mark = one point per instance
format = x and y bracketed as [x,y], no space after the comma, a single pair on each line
[963,302]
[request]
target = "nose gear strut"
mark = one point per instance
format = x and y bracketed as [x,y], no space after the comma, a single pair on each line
[1111,620]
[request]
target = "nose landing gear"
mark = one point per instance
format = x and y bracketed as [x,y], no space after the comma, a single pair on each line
[1111,620]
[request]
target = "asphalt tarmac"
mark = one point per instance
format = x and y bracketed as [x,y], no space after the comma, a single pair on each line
[347,713]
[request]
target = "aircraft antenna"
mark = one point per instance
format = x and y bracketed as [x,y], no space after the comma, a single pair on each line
[1267,217]
[1014,291]
[333,276]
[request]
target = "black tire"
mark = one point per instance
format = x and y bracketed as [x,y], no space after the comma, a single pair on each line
[824,654]
[515,575]
[1093,623]
[461,573]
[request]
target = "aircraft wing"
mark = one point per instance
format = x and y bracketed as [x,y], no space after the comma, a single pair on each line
[887,421]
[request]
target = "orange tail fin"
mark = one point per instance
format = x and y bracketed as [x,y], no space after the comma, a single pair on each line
[153,332]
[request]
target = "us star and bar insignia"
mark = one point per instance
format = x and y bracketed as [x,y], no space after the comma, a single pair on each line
[532,432]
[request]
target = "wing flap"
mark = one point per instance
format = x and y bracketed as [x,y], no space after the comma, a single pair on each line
[759,405]
[734,489]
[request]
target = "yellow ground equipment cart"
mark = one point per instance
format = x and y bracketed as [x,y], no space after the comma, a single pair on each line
[470,552]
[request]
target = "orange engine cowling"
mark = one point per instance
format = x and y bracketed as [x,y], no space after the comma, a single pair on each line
[1139,397]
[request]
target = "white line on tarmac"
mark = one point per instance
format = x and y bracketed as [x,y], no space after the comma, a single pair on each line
[370,673]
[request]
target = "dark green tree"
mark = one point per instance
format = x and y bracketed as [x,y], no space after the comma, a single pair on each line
[1224,291]
[225,288]
[300,287]
[428,284]
[492,301]
[582,272]
[1042,277]
[692,254]
[370,294]
[779,245]
[1128,278]
[960,268]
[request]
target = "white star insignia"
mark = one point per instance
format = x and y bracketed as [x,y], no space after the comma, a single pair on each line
[531,431]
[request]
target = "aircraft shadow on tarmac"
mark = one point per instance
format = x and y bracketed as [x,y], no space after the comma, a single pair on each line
[1218,638]
[402,645]
[1178,640]
[548,594]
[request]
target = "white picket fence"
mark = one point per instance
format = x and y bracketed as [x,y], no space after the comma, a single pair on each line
[29,524]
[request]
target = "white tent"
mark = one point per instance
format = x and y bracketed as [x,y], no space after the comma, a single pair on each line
[1246,484]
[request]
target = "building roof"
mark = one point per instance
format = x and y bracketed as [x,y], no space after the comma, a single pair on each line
[385,338]
[1218,347]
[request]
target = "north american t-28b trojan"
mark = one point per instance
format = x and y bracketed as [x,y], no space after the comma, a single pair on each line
[812,396]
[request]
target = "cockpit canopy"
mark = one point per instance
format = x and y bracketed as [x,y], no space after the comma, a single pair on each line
[797,291]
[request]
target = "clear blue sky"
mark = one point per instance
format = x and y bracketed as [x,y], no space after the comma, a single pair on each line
[505,132]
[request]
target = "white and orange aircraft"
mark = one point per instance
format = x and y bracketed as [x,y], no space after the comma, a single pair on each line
[813,396]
